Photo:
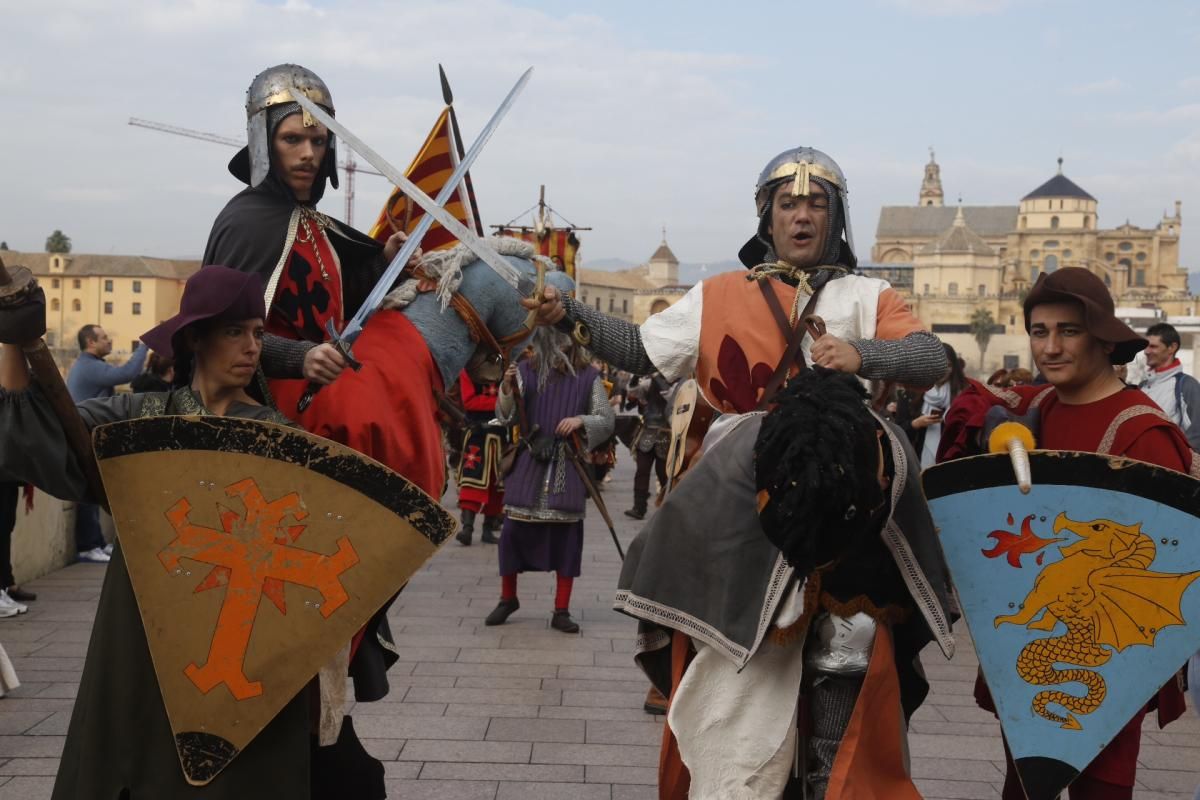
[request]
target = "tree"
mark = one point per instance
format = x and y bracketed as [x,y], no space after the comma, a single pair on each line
[983,324]
[58,242]
[3,245]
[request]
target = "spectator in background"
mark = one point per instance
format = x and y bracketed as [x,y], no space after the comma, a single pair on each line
[10,496]
[998,378]
[90,378]
[1175,392]
[935,403]
[1018,377]
[158,377]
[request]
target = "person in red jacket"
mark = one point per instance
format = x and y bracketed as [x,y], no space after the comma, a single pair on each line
[1076,340]
[480,484]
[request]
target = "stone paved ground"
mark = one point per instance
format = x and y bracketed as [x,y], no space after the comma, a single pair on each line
[519,711]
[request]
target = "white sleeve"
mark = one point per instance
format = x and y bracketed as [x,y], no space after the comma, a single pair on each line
[672,336]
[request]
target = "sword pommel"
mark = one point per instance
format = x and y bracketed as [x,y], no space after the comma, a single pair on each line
[1016,440]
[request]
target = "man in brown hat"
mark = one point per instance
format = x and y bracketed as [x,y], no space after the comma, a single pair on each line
[1076,340]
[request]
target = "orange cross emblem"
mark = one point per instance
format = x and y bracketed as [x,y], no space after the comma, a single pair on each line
[253,555]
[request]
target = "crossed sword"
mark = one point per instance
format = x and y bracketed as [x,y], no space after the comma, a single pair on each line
[434,212]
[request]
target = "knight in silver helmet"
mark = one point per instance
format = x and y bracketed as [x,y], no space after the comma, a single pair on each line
[315,269]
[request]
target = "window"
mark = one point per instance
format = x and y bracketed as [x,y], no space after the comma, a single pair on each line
[597,303]
[137,287]
[1050,264]
[76,305]
[54,304]
[108,308]
[1054,222]
[612,304]
[1022,223]
[1125,263]
[1066,253]
[926,289]
[1107,279]
[1139,277]
[108,286]
[1140,256]
[1050,244]
[1012,319]
[983,290]
[1012,362]
[1109,256]
[1087,223]
[624,306]
[54,283]
[137,309]
[1033,273]
[1034,253]
[76,284]
[1125,247]
[952,290]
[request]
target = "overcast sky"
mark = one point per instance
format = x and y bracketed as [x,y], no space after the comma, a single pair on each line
[639,114]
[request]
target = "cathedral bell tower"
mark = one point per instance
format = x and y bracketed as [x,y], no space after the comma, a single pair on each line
[931,185]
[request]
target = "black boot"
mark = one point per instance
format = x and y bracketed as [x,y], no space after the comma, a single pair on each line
[639,507]
[490,524]
[468,528]
[561,621]
[502,612]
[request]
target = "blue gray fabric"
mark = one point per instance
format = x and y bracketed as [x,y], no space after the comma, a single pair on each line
[92,377]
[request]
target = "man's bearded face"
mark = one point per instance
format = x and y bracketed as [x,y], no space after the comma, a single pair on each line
[298,153]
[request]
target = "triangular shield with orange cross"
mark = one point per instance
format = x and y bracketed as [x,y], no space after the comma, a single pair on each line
[256,552]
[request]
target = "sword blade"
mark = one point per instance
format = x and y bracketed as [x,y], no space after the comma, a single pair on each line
[511,275]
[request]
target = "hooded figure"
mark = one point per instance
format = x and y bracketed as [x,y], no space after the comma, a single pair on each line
[315,270]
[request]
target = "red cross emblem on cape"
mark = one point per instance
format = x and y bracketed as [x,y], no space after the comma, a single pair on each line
[216,514]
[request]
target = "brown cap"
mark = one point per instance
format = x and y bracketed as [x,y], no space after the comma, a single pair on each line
[1078,285]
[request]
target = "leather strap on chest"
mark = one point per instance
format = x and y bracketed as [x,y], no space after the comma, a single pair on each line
[792,334]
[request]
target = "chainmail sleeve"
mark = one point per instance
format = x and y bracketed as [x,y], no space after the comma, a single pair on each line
[283,357]
[918,359]
[613,340]
[599,422]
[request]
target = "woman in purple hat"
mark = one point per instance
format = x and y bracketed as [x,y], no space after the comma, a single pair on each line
[119,743]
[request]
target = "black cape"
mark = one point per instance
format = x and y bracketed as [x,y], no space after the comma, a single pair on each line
[250,232]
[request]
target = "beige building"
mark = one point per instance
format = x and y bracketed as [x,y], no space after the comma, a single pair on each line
[125,295]
[634,294]
[951,262]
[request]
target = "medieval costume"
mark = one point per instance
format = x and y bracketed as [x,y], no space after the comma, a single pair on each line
[317,272]
[790,581]
[1127,424]
[652,441]
[545,497]
[741,334]
[120,743]
[480,484]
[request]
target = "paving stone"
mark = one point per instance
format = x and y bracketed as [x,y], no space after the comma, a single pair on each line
[937,768]
[427,750]
[383,749]
[956,747]
[31,746]
[441,790]
[647,776]
[627,699]
[27,788]
[527,711]
[30,766]
[401,770]
[547,773]
[536,730]
[577,657]
[1159,780]
[460,669]
[553,791]
[471,696]
[501,683]
[380,726]
[599,754]
[399,709]
[54,725]
[620,792]
[597,712]
[956,790]
[17,722]
[609,732]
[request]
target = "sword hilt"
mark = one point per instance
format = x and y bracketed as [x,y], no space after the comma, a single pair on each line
[339,342]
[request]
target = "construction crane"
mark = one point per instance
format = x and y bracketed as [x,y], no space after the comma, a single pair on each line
[347,165]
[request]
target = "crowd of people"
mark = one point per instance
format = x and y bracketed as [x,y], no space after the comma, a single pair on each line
[784,588]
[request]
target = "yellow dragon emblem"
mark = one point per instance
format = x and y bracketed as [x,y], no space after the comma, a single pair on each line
[1104,593]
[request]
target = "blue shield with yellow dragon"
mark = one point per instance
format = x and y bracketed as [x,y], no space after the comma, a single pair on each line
[1081,595]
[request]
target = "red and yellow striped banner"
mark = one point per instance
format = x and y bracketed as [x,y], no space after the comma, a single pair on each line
[560,245]
[430,170]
